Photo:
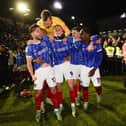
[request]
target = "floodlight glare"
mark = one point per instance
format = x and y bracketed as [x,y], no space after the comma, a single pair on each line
[22,7]
[73,17]
[57,5]
[81,24]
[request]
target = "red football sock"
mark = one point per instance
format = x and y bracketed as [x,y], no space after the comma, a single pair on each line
[60,97]
[75,91]
[72,95]
[38,100]
[55,100]
[99,90]
[85,94]
[43,92]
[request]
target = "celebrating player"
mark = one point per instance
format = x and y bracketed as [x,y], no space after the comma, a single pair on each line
[90,63]
[60,52]
[75,59]
[48,22]
[42,71]
[61,65]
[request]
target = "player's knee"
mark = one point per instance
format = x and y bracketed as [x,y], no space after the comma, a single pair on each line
[38,93]
[53,90]
[71,85]
[59,87]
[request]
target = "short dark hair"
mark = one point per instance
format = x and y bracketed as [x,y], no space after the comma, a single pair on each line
[77,28]
[32,28]
[85,30]
[45,14]
[58,25]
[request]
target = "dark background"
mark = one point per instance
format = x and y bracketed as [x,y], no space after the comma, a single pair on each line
[99,15]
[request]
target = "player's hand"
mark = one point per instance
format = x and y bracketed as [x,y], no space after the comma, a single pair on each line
[51,38]
[38,60]
[64,40]
[29,42]
[90,47]
[91,72]
[34,77]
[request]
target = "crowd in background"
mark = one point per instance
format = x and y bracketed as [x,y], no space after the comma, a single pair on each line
[12,53]
[13,39]
[112,42]
[13,35]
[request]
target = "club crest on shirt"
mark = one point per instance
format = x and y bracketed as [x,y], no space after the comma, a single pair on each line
[71,73]
[53,79]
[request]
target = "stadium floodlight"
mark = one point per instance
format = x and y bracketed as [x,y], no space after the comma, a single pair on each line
[73,17]
[22,7]
[123,15]
[57,5]
[81,24]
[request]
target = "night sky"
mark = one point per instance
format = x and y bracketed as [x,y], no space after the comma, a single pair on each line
[86,11]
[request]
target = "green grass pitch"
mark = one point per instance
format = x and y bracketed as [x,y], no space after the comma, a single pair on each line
[15,111]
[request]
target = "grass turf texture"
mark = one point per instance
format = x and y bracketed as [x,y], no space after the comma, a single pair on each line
[18,111]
